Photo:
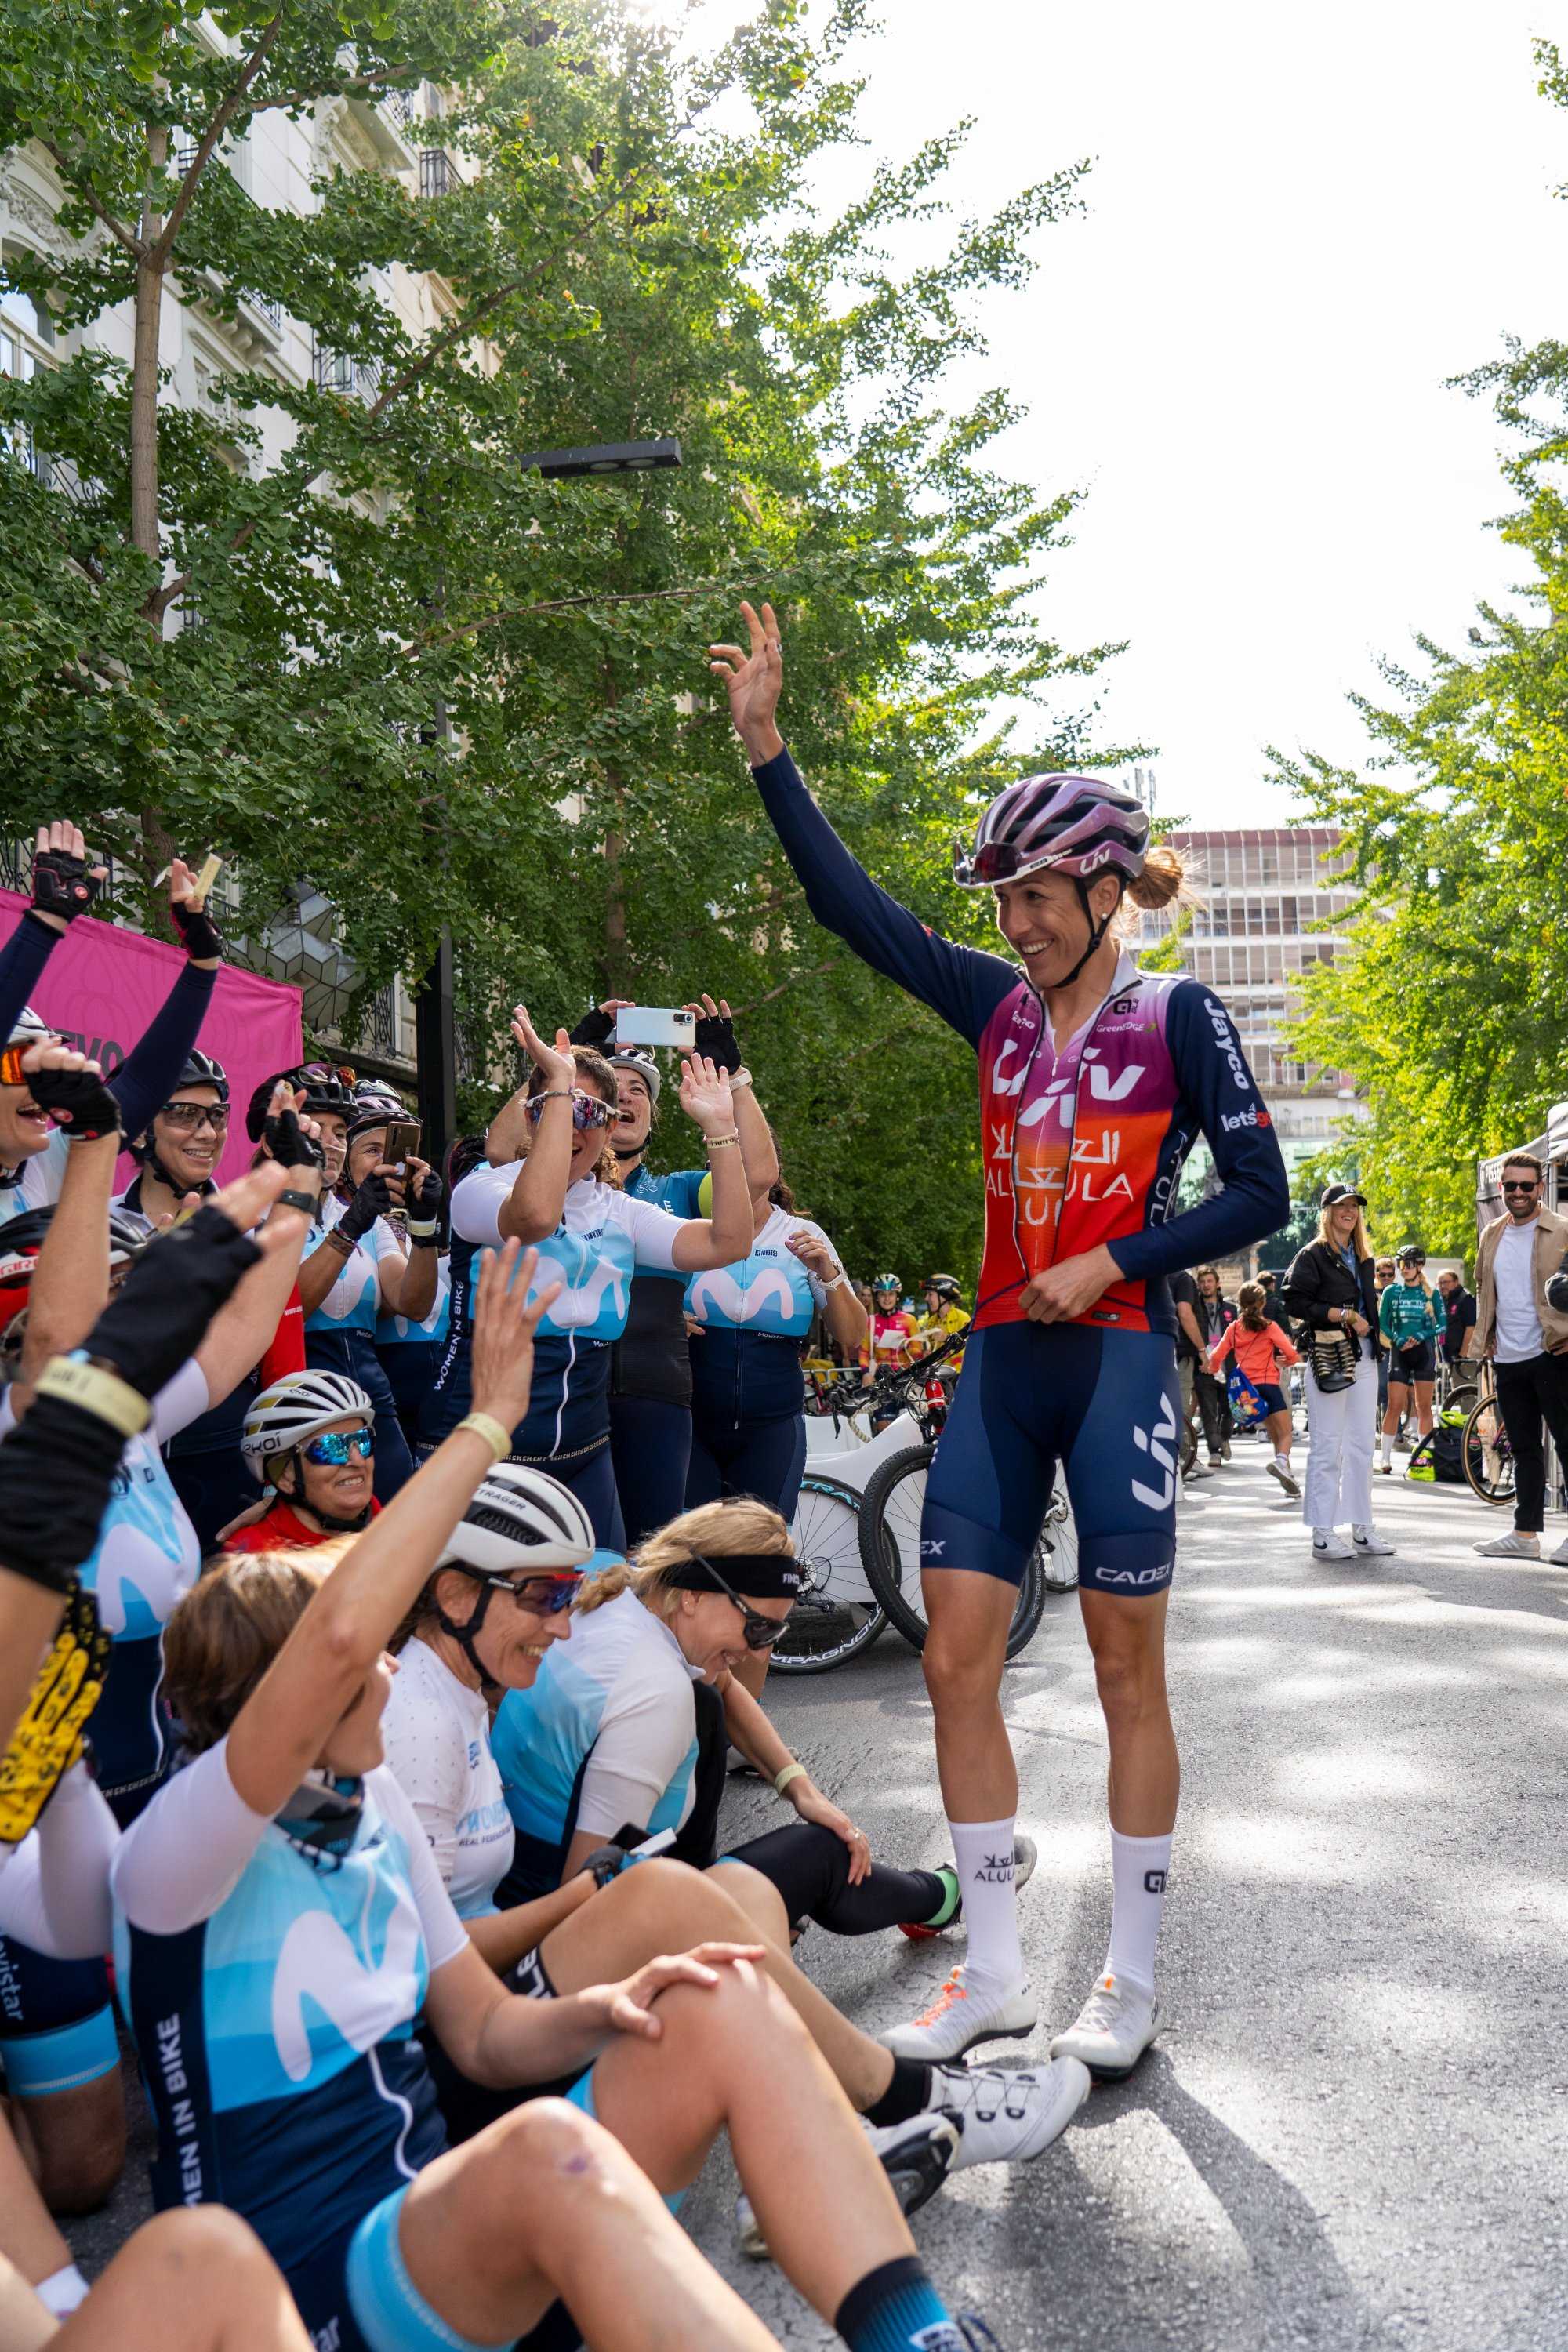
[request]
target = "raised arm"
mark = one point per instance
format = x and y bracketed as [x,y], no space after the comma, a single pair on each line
[961,985]
[151,1072]
[64,885]
[532,1208]
[725,1237]
[283,1726]
[70,1282]
[716,1038]
[241,1336]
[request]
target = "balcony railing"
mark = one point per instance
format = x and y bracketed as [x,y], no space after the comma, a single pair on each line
[354,379]
[438,172]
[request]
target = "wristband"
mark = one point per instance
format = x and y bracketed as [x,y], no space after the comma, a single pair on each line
[722,1142]
[552,1093]
[428,1234]
[102,1394]
[344,1243]
[485,1425]
[741,1078]
[838,1281]
[793,1771]
[306,1202]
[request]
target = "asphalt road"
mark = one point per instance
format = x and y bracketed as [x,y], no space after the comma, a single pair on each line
[1356,2130]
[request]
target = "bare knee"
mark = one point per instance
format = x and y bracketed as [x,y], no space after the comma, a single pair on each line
[547,2145]
[960,1680]
[78,2137]
[743,2019]
[204,2243]
[676,1903]
[750,1902]
[1130,1683]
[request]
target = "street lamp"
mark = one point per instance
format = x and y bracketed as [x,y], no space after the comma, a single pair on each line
[605,458]
[435,1033]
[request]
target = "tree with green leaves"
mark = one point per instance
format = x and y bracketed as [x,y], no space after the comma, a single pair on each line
[1448,1010]
[450,694]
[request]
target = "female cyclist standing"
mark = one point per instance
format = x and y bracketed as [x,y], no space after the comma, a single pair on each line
[1095,1081]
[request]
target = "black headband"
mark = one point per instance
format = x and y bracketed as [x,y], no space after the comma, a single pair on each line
[760,1575]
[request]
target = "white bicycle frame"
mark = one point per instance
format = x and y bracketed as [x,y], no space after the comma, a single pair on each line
[848,1454]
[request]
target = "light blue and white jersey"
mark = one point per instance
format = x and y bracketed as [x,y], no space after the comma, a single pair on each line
[606,1735]
[678,1192]
[273,2001]
[771,1291]
[604,1237]
[147,1557]
[35,1184]
[353,1301]
[437,1738]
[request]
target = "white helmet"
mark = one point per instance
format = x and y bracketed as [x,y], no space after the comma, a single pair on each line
[296,1409]
[520,1519]
[30,1029]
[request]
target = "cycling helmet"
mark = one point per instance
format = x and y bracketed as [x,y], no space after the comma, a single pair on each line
[464,1154]
[640,1062]
[886,1281]
[203,1070]
[296,1407]
[22,1237]
[1076,825]
[944,1285]
[1411,1254]
[30,1029]
[520,1519]
[325,1085]
[372,1107]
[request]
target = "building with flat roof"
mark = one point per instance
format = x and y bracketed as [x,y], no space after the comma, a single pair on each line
[1270,899]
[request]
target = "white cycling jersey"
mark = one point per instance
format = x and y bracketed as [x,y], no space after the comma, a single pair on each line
[437,1738]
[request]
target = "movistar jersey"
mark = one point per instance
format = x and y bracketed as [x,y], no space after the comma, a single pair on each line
[437,1736]
[403,1331]
[603,1237]
[1082,1139]
[353,1302]
[606,1735]
[650,1358]
[146,1558]
[273,2001]
[745,1366]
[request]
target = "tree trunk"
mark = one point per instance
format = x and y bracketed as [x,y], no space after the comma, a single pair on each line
[157,844]
[617,975]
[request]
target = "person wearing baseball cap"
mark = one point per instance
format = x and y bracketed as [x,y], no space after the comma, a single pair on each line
[1330,1288]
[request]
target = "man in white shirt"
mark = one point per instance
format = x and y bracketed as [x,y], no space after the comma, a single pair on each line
[1527,1339]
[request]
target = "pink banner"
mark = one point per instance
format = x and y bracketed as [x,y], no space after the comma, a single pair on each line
[101,988]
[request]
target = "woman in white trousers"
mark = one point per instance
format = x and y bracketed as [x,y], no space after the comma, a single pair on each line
[1330,1288]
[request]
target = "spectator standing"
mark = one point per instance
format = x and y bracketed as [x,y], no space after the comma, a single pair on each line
[1190,1359]
[1330,1288]
[1410,1317]
[1527,1339]
[1459,1319]
[1215,1314]
[1257,1346]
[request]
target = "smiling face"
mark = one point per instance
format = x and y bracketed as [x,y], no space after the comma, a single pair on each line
[513,1638]
[189,1146]
[25,1129]
[1342,1221]
[1042,919]
[366,1153]
[588,1143]
[343,1490]
[334,1145]
[634,1114]
[711,1629]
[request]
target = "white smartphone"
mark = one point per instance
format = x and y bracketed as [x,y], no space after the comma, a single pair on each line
[652,1024]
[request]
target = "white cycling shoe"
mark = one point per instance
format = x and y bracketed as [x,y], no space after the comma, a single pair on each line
[958,2018]
[1114,2028]
[916,2156]
[1008,2118]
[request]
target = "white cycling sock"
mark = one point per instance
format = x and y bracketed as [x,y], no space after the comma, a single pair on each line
[62,2291]
[1139,1868]
[983,1855]
[1388,1445]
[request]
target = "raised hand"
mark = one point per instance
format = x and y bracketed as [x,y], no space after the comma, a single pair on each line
[705,1094]
[203,939]
[505,1320]
[64,885]
[715,1032]
[813,1251]
[73,1091]
[556,1061]
[753,681]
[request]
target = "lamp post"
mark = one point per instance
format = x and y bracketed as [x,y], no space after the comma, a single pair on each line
[434,1028]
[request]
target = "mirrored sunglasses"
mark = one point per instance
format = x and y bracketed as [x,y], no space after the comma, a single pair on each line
[338,1447]
[587,1110]
[11,1073]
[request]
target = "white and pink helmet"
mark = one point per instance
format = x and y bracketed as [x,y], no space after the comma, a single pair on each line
[1078,825]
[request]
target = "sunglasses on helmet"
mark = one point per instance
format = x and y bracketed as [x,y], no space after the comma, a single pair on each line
[338,1447]
[993,861]
[324,1071]
[587,1110]
[758,1631]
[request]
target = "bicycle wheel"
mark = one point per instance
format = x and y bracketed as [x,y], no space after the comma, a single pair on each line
[1462,1400]
[1488,1455]
[890,1551]
[1058,1547]
[836,1618]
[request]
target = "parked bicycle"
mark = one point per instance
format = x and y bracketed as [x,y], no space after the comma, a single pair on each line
[894,1496]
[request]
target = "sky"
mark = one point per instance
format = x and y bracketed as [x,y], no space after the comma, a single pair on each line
[1297,224]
